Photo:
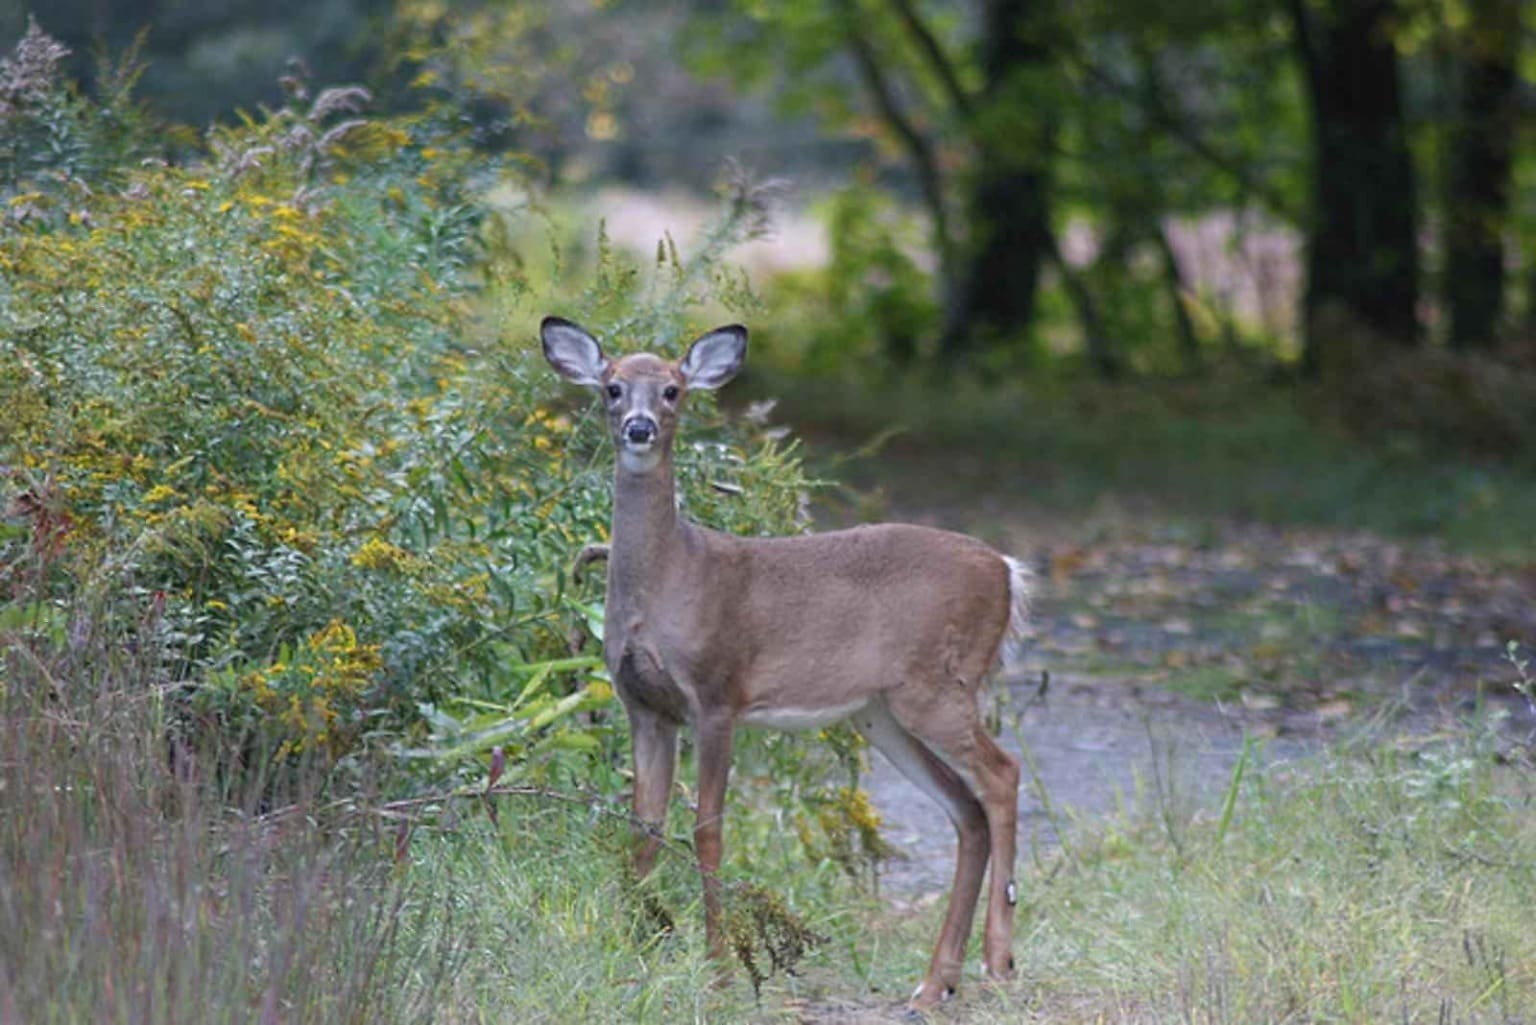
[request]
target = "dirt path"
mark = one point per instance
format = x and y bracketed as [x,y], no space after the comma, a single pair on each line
[1165,653]
[1092,752]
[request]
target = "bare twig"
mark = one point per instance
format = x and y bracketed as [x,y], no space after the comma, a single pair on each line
[587,556]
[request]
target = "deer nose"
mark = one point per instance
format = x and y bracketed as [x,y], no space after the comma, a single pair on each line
[640,430]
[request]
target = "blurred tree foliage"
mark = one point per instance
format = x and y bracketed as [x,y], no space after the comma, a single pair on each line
[201,59]
[1017,119]
[1055,154]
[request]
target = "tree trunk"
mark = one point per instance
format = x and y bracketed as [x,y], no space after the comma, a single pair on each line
[1008,209]
[1362,243]
[1173,281]
[1103,356]
[1477,188]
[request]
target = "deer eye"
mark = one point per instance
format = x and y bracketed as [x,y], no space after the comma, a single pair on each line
[669,393]
[614,391]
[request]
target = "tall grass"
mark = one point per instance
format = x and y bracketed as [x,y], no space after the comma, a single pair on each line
[1392,883]
[133,891]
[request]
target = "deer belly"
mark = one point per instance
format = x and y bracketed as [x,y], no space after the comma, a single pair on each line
[789,717]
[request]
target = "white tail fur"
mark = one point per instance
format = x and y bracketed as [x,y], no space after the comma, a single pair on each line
[1021,589]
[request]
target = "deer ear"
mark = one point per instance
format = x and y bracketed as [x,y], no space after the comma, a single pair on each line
[573,352]
[715,358]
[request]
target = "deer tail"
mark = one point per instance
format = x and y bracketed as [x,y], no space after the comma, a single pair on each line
[1020,588]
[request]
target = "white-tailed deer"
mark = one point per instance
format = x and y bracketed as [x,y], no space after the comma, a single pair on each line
[893,627]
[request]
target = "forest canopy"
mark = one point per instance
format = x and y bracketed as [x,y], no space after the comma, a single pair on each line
[1003,173]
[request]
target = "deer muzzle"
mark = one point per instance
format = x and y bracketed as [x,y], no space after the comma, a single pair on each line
[639,431]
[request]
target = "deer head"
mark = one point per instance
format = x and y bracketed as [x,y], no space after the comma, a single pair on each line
[642,393]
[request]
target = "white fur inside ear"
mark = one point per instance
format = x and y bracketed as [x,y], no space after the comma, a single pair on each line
[573,352]
[715,358]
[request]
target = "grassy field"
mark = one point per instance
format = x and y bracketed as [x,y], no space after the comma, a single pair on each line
[1376,884]
[1385,880]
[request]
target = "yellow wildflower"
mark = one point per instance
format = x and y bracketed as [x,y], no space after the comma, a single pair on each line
[379,554]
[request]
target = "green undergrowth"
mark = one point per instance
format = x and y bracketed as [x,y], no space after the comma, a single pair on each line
[1197,451]
[554,931]
[277,419]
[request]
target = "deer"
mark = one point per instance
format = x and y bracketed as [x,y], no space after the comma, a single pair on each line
[892,627]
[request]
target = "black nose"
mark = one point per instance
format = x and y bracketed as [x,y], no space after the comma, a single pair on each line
[640,430]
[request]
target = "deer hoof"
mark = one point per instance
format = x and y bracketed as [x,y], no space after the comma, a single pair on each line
[927,996]
[1000,972]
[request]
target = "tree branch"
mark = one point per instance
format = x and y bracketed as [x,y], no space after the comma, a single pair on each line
[1173,280]
[917,145]
[939,62]
[1156,107]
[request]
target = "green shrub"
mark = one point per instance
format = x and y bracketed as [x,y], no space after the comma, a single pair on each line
[255,401]
[55,143]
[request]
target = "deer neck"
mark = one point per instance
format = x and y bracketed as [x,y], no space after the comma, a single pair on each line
[645,538]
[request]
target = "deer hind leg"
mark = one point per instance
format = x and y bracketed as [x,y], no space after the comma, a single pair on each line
[997,776]
[933,776]
[955,732]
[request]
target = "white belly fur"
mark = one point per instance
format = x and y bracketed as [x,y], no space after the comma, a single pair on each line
[801,718]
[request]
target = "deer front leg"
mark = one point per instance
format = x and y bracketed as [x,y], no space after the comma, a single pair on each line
[654,740]
[714,757]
